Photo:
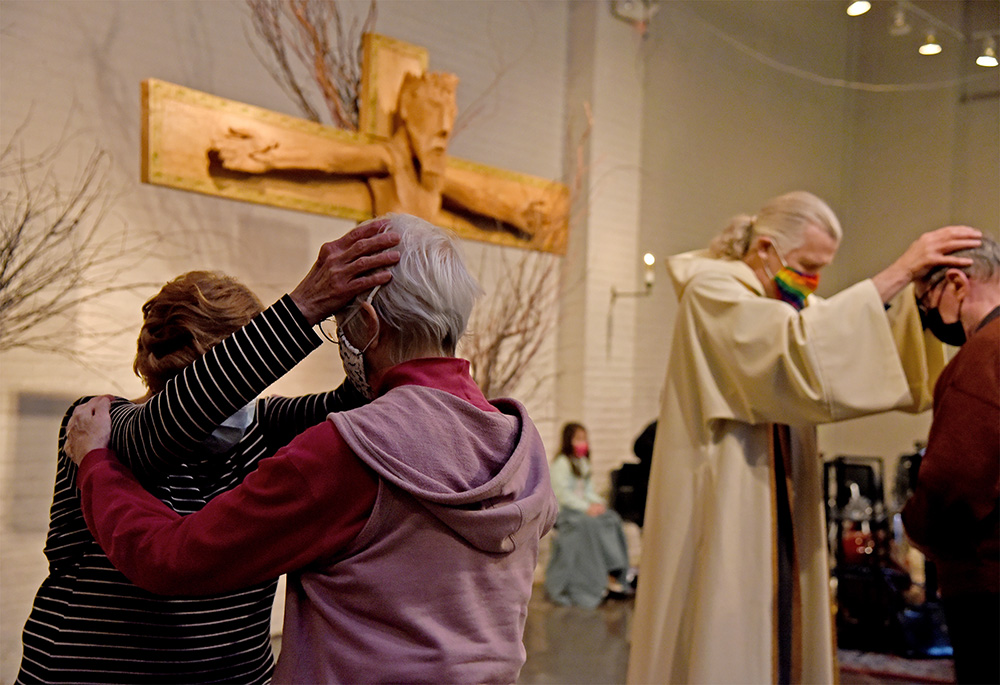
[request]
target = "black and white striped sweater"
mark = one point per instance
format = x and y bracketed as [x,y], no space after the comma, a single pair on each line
[88,622]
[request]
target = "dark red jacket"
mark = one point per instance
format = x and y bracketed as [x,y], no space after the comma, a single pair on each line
[952,515]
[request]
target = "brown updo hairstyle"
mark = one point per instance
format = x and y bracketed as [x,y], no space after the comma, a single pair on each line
[187,318]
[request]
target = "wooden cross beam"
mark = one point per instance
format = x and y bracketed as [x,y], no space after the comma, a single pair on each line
[396,162]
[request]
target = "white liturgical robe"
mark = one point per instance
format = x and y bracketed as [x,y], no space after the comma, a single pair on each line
[741,362]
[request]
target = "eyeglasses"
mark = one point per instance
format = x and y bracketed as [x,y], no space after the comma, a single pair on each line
[923,303]
[334,338]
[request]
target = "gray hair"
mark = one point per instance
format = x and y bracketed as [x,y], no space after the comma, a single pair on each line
[985,263]
[428,302]
[784,219]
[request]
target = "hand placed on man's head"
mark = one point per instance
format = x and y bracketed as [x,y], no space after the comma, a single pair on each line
[934,248]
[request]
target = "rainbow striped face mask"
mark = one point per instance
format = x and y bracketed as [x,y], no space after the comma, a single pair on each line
[793,286]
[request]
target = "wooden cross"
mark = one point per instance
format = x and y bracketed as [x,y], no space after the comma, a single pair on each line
[396,161]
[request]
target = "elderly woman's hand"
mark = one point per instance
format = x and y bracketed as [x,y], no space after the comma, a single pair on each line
[345,268]
[89,428]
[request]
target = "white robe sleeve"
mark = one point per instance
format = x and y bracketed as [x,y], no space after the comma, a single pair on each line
[923,356]
[834,360]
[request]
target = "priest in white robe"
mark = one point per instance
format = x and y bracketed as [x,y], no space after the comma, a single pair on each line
[734,582]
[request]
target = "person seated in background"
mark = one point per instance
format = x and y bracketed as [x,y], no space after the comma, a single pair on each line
[589,558]
[630,482]
[953,513]
[204,352]
[642,448]
[409,527]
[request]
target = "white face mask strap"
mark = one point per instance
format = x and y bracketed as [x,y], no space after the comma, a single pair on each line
[341,327]
[344,342]
[351,348]
[767,270]
[371,296]
[778,252]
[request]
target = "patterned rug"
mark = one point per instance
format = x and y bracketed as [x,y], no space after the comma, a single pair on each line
[896,667]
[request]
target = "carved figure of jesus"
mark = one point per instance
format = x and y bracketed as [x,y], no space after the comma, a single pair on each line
[408,172]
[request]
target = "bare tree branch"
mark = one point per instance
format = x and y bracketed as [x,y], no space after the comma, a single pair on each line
[54,255]
[310,36]
[510,327]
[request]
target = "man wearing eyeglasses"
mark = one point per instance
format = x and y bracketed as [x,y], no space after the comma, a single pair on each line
[952,515]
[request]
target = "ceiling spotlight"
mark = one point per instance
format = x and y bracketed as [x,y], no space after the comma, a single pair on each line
[930,46]
[989,56]
[858,7]
[899,25]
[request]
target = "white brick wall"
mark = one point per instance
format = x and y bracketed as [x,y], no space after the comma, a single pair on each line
[595,381]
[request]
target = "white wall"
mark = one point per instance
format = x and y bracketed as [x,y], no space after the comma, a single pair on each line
[596,342]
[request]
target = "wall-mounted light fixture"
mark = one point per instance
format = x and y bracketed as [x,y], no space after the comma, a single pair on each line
[638,13]
[648,278]
[649,260]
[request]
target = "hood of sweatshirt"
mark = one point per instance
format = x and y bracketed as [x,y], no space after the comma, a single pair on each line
[483,474]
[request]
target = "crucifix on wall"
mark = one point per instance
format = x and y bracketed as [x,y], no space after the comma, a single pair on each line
[396,161]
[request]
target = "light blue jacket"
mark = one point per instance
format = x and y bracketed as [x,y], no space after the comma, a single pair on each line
[572,491]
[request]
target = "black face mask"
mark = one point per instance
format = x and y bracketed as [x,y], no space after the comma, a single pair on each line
[948,333]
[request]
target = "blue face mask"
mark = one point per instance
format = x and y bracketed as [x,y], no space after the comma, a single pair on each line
[230,431]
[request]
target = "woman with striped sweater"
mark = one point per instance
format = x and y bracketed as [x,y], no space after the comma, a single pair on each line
[197,433]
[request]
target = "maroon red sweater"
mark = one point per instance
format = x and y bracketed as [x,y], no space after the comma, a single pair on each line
[952,515]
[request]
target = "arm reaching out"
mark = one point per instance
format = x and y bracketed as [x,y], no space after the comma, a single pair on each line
[154,436]
[257,152]
[346,268]
[926,252]
[307,502]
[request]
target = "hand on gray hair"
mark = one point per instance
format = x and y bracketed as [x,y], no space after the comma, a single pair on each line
[345,268]
[930,250]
